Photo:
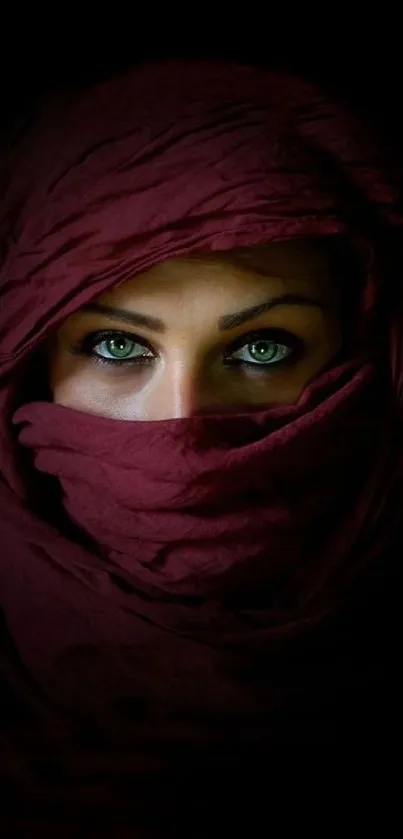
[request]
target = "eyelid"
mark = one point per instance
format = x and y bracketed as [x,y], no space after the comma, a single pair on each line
[270,333]
[91,339]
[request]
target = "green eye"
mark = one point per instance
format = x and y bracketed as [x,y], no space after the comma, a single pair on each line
[115,348]
[119,348]
[262,352]
[263,349]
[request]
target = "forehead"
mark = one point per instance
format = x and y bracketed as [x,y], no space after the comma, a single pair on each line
[308,259]
[297,262]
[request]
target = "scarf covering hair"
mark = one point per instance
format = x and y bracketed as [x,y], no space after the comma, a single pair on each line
[180,594]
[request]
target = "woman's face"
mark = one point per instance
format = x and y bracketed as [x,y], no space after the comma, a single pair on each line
[224,332]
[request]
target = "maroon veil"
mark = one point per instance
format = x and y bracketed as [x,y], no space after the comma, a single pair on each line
[181,596]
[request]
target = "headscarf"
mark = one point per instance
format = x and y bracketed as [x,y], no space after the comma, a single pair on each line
[187,590]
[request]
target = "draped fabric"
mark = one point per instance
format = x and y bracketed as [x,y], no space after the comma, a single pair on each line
[178,596]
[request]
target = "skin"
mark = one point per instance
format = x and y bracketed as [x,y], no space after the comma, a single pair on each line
[188,371]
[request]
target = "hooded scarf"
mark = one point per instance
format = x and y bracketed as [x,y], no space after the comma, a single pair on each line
[180,594]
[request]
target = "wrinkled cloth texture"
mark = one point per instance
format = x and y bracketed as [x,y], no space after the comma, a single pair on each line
[179,597]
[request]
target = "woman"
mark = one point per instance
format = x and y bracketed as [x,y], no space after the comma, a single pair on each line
[201,458]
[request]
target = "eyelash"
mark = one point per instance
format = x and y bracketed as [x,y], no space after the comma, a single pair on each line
[281,336]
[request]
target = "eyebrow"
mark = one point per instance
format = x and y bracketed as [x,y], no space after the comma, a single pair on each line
[226,322]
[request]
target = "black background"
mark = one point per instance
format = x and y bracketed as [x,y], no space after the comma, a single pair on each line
[356,56]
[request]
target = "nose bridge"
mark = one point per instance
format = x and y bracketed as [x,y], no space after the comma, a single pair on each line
[184,395]
[177,391]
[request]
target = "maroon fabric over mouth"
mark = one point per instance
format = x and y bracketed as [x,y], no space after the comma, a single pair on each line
[193,591]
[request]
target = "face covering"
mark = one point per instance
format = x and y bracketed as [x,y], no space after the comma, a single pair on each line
[216,506]
[179,582]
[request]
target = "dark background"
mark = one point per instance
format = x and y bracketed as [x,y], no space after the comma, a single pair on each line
[358,58]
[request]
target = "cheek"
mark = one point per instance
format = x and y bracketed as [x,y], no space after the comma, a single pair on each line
[76,383]
[329,342]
